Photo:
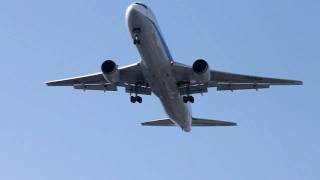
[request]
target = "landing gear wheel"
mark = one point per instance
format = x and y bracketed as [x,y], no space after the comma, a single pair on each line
[135,99]
[132,99]
[191,99]
[139,99]
[185,99]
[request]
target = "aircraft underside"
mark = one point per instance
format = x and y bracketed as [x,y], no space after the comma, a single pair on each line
[172,82]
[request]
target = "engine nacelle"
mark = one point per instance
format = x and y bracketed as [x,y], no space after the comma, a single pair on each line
[110,71]
[201,71]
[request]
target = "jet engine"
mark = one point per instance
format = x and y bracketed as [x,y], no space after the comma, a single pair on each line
[110,71]
[201,71]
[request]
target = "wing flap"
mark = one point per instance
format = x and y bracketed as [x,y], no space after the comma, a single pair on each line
[138,89]
[100,87]
[241,86]
[113,87]
[193,89]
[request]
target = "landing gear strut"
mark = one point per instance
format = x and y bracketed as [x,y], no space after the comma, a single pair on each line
[136,39]
[135,99]
[187,99]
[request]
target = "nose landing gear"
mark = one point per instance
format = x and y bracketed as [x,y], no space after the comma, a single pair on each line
[136,37]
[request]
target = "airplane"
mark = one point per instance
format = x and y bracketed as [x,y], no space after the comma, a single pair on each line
[157,72]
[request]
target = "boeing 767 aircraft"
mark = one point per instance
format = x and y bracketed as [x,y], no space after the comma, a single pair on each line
[172,82]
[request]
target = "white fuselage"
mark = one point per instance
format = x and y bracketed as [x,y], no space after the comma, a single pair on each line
[156,64]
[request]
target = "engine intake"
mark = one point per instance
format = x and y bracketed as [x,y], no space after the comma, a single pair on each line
[108,67]
[110,71]
[201,71]
[200,66]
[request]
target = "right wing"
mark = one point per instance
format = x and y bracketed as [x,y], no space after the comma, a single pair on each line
[96,78]
[131,78]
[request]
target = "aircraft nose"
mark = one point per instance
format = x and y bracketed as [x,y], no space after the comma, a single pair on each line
[133,13]
[132,9]
[136,8]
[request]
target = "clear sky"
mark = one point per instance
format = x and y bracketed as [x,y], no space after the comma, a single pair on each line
[59,133]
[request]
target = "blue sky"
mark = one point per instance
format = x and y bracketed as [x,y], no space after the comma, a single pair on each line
[61,133]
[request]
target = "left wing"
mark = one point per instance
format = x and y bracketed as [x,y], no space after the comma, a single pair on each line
[131,78]
[223,81]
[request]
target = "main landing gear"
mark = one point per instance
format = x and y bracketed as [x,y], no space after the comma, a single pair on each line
[135,99]
[187,99]
[136,37]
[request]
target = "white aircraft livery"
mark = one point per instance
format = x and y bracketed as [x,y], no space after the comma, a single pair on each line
[172,82]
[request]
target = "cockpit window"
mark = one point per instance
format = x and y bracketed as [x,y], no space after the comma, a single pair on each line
[142,5]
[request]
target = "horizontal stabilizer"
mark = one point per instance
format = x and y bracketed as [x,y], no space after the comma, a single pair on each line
[209,122]
[159,122]
[195,122]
